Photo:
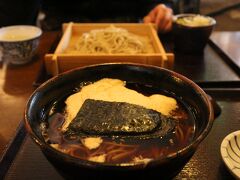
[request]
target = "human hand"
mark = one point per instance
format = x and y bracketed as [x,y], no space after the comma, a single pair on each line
[161,15]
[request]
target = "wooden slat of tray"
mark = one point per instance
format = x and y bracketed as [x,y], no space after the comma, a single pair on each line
[66,62]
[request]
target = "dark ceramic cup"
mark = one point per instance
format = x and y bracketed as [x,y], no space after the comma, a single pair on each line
[166,167]
[191,39]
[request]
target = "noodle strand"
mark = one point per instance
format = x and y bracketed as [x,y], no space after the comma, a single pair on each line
[112,40]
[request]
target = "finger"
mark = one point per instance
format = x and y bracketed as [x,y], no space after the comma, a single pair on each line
[160,15]
[159,8]
[167,27]
[167,18]
[160,18]
[147,19]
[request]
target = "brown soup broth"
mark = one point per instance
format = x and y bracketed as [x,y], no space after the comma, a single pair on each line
[117,149]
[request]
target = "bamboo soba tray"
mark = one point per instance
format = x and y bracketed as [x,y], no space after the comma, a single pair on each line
[61,61]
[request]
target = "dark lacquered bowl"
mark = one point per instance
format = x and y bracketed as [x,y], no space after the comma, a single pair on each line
[170,81]
[191,39]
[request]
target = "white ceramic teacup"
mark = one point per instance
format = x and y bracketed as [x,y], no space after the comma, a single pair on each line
[18,44]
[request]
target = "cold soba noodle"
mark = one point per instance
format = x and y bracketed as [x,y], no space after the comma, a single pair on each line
[98,124]
[111,40]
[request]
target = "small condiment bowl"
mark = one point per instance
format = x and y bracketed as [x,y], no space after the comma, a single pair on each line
[18,44]
[230,152]
[192,38]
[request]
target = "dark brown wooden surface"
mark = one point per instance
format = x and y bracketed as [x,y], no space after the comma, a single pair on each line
[209,67]
[16,85]
[228,42]
[15,89]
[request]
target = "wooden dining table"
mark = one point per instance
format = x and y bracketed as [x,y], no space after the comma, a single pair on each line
[217,71]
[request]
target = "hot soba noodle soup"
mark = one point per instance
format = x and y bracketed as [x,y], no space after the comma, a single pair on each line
[117,122]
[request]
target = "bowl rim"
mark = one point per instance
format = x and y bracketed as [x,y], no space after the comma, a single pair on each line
[227,159]
[92,164]
[37,35]
[177,16]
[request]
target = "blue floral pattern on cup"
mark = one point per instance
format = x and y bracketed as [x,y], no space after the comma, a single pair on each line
[18,52]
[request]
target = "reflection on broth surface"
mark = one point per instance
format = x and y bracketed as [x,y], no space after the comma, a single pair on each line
[168,135]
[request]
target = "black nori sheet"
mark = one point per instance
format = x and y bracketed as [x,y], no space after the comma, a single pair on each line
[98,117]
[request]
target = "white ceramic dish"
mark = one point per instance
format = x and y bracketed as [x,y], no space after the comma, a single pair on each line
[230,152]
[18,44]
